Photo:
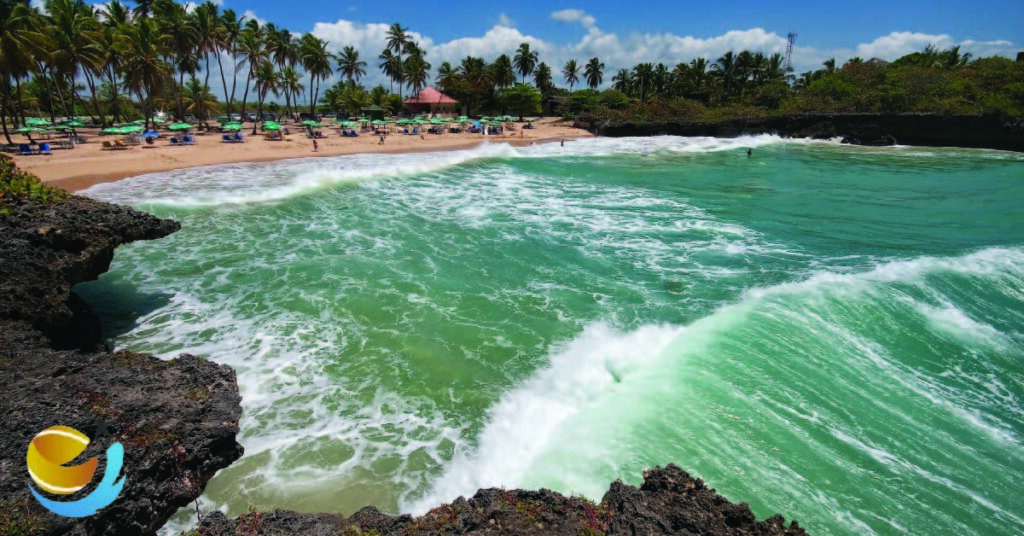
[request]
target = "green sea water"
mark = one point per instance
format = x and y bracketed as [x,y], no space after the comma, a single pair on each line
[834,333]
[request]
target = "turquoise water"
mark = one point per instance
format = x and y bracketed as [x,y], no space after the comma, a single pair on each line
[834,333]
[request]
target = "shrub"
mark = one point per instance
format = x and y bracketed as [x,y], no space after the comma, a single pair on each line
[17,187]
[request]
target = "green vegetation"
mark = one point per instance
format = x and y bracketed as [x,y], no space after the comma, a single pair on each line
[749,85]
[18,187]
[115,63]
[19,518]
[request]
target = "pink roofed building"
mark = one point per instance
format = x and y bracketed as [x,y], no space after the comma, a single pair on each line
[432,101]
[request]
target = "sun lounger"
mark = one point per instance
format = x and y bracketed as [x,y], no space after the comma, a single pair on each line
[25,150]
[226,138]
[239,138]
[45,149]
[107,146]
[175,141]
[188,140]
[120,144]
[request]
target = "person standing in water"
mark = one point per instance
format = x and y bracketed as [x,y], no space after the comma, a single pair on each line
[749,152]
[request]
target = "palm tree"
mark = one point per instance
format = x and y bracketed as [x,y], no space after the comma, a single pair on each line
[109,46]
[317,61]
[643,76]
[230,32]
[204,20]
[417,70]
[267,81]
[71,25]
[174,22]
[525,60]
[594,73]
[19,43]
[447,78]
[291,84]
[478,78]
[726,70]
[349,64]
[502,72]
[389,66]
[145,70]
[542,77]
[398,38]
[571,71]
[830,66]
[622,81]
[250,46]
[198,97]
[660,79]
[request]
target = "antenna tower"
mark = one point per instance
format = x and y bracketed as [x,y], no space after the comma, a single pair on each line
[790,39]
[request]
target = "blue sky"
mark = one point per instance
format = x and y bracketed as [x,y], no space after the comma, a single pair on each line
[624,33]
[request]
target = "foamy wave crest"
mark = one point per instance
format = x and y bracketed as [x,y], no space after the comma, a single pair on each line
[269,182]
[582,375]
[651,145]
[572,414]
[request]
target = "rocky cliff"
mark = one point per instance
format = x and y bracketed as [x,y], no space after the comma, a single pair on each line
[668,502]
[986,132]
[176,419]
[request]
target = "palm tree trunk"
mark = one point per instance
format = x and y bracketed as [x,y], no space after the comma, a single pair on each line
[224,83]
[113,88]
[60,94]
[259,111]
[49,92]
[75,95]
[312,104]
[245,97]
[206,86]
[17,84]
[181,95]
[312,81]
[95,98]
[234,77]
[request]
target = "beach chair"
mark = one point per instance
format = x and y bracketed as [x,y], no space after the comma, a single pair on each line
[188,140]
[107,146]
[239,138]
[45,149]
[25,150]
[120,144]
[226,138]
[175,141]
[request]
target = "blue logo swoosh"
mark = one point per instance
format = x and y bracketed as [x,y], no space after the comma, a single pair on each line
[104,494]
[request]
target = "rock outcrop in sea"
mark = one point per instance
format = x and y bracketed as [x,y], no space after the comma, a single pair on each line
[176,419]
[669,501]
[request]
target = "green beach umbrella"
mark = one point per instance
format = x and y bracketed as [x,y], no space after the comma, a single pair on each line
[60,127]
[157,121]
[180,126]
[132,128]
[113,130]
[36,121]
[378,122]
[436,121]
[28,130]
[271,125]
[311,123]
[232,127]
[74,123]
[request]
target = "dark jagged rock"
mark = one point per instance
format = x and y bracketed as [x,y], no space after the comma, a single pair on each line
[668,502]
[177,420]
[977,131]
[48,248]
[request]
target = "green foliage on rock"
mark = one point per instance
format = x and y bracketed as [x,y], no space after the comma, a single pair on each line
[18,187]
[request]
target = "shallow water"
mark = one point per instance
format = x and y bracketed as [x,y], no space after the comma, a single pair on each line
[834,333]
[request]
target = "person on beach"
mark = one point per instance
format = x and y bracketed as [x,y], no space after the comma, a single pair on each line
[381,142]
[563,142]
[316,146]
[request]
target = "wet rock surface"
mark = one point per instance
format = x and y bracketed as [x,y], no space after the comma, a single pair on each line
[669,501]
[177,419]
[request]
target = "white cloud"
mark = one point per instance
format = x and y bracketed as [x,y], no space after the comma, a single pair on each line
[38,4]
[249,15]
[896,44]
[575,15]
[505,20]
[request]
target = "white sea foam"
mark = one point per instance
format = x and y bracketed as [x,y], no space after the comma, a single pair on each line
[268,182]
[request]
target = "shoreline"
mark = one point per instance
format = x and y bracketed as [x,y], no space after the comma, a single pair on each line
[88,165]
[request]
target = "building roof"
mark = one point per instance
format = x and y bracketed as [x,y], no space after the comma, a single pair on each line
[430,95]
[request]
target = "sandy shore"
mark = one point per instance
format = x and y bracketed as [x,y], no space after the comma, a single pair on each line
[88,164]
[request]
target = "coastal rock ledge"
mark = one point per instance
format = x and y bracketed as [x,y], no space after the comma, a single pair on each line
[669,501]
[177,419]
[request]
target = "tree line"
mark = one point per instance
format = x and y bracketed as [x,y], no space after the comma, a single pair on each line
[115,62]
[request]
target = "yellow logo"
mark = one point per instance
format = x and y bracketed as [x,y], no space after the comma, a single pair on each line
[56,446]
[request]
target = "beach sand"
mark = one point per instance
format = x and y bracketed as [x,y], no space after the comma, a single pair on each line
[88,164]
